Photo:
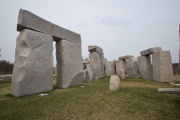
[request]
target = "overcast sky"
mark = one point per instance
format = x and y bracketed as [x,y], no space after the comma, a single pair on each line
[120,27]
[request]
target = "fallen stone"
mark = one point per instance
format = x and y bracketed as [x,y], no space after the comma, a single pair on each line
[28,20]
[33,66]
[169,90]
[69,64]
[150,51]
[94,48]
[114,83]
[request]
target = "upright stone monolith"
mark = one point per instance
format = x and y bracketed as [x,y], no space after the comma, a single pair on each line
[162,66]
[96,56]
[33,66]
[145,67]
[69,64]
[110,68]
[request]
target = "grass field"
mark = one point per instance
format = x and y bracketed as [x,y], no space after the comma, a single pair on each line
[138,99]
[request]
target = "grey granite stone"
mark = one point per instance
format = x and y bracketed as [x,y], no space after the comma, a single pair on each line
[150,51]
[115,83]
[31,21]
[94,48]
[69,64]
[162,66]
[145,67]
[33,66]
[110,68]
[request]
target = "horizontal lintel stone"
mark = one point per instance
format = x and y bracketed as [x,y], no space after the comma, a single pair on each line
[126,57]
[94,48]
[31,21]
[150,51]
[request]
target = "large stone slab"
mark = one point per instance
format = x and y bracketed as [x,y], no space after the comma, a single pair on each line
[169,90]
[130,68]
[110,68]
[95,60]
[119,66]
[69,64]
[94,48]
[89,74]
[126,57]
[179,46]
[115,83]
[162,66]
[150,51]
[33,66]
[145,67]
[31,21]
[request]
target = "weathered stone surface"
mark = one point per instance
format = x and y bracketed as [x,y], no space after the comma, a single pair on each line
[126,57]
[84,76]
[179,46]
[89,74]
[129,68]
[31,21]
[176,69]
[102,65]
[145,67]
[115,83]
[95,60]
[69,64]
[122,74]
[85,62]
[33,66]
[94,48]
[110,68]
[162,66]
[119,67]
[169,90]
[150,51]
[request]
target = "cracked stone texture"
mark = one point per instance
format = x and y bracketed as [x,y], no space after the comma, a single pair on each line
[162,66]
[94,48]
[115,83]
[69,64]
[33,66]
[110,68]
[145,67]
[150,51]
[31,21]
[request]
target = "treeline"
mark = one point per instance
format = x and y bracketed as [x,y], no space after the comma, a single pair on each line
[6,67]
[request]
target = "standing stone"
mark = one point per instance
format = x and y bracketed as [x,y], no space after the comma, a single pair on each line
[179,47]
[145,67]
[110,68]
[69,64]
[97,61]
[119,67]
[129,68]
[114,83]
[122,74]
[89,74]
[84,74]
[33,66]
[162,66]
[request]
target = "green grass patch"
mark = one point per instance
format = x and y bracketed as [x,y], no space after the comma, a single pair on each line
[138,99]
